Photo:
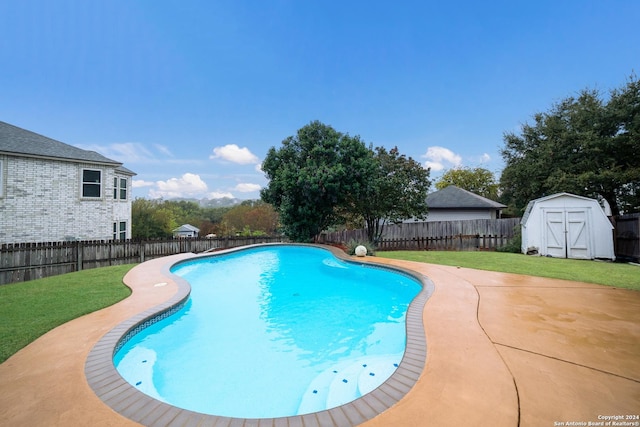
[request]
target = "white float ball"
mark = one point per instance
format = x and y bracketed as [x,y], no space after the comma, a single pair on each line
[361,251]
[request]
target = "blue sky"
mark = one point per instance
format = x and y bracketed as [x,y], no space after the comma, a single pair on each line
[191,94]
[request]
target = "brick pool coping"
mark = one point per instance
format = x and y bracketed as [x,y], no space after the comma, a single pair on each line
[128,401]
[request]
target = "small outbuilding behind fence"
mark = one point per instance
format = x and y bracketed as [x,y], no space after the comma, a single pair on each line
[186,230]
[565,225]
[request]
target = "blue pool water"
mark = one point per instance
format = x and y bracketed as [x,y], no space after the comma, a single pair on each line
[273,331]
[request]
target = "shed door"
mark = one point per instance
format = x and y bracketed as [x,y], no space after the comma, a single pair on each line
[577,235]
[567,234]
[554,233]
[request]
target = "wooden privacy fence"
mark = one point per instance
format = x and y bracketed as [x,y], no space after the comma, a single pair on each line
[465,235]
[460,242]
[27,261]
[627,237]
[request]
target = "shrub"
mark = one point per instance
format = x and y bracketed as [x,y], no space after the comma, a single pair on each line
[514,246]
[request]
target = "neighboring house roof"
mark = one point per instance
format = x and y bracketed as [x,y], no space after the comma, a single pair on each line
[15,140]
[187,227]
[453,197]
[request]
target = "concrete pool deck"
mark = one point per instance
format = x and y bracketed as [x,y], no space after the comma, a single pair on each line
[502,350]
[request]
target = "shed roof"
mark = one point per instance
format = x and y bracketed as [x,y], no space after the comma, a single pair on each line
[187,227]
[453,197]
[533,202]
[15,140]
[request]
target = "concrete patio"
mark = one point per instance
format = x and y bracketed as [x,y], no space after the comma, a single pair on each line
[502,350]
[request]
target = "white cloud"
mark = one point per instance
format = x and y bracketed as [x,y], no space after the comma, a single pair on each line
[164,150]
[485,158]
[247,187]
[439,157]
[139,183]
[126,152]
[219,195]
[234,154]
[188,185]
[130,152]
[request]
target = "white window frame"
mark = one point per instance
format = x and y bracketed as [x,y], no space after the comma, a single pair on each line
[120,188]
[123,188]
[123,230]
[100,183]
[120,230]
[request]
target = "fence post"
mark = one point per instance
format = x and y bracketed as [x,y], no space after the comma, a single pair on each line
[79,246]
[142,246]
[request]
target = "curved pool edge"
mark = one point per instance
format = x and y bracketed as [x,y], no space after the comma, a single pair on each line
[125,399]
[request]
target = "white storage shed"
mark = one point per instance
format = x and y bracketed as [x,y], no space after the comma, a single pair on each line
[565,225]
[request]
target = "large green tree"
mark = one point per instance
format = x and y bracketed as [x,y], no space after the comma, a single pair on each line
[396,190]
[312,174]
[584,145]
[152,219]
[251,217]
[478,180]
[624,110]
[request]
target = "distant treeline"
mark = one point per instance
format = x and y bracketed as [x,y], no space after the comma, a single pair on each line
[158,218]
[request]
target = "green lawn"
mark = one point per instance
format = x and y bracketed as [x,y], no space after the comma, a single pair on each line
[601,272]
[29,309]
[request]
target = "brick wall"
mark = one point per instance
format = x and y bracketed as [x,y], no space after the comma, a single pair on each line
[41,202]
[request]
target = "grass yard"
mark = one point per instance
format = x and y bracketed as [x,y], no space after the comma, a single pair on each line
[30,309]
[620,275]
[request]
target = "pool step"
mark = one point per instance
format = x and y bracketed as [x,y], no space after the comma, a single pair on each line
[344,387]
[314,398]
[347,381]
[377,372]
[138,370]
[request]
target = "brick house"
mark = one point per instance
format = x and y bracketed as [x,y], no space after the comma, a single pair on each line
[51,191]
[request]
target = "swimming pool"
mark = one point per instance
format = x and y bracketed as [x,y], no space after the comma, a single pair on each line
[273,332]
[358,358]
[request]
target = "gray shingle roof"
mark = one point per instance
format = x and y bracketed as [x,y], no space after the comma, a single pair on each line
[453,197]
[15,140]
[187,227]
[123,170]
[533,202]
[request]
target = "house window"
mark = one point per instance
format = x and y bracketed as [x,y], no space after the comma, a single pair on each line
[123,188]
[120,230]
[120,188]
[91,183]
